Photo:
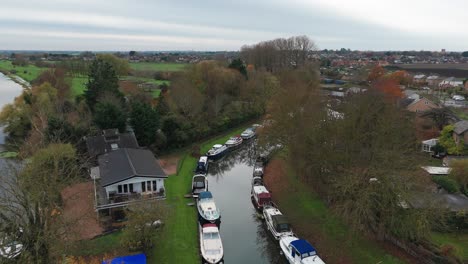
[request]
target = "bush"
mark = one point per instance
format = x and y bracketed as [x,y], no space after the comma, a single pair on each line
[448,184]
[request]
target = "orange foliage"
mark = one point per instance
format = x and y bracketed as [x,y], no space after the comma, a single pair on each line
[250,67]
[375,74]
[389,87]
[401,77]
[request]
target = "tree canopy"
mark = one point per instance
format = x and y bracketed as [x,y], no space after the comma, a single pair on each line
[102,80]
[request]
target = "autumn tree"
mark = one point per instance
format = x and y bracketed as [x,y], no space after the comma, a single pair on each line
[376,73]
[440,116]
[388,87]
[121,66]
[239,65]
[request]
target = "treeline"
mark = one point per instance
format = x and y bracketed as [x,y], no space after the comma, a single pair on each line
[278,54]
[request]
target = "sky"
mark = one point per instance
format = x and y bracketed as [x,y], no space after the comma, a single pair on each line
[219,25]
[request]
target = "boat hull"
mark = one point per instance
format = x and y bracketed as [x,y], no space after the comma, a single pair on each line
[203,220]
[217,155]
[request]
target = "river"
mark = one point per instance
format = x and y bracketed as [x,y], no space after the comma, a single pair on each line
[8,91]
[245,237]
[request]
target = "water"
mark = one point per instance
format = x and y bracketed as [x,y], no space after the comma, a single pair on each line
[245,237]
[8,91]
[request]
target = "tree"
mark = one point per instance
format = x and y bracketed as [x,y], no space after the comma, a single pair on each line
[440,116]
[108,115]
[375,73]
[121,66]
[446,140]
[102,79]
[459,173]
[31,204]
[144,220]
[132,53]
[145,123]
[465,54]
[239,65]
[388,87]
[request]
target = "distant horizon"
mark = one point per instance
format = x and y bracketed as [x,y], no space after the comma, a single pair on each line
[161,25]
[200,51]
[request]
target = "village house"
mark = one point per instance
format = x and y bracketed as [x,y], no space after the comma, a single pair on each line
[427,145]
[433,80]
[109,140]
[421,105]
[419,79]
[460,132]
[451,82]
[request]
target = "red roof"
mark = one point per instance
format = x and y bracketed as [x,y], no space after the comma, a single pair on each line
[264,195]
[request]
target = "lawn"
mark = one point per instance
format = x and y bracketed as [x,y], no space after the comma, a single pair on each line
[157,66]
[458,241]
[78,85]
[313,220]
[155,93]
[100,245]
[144,80]
[179,238]
[28,73]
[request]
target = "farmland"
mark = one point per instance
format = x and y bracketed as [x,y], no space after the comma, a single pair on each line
[28,73]
[157,67]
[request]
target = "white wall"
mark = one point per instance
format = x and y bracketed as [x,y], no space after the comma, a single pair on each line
[136,184]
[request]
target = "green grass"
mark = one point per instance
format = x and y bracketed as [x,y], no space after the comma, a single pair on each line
[155,93]
[458,241]
[28,73]
[100,245]
[144,80]
[179,237]
[157,66]
[8,154]
[78,85]
[307,209]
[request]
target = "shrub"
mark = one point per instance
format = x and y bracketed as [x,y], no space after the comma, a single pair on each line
[448,184]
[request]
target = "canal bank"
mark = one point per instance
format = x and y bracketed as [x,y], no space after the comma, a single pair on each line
[9,89]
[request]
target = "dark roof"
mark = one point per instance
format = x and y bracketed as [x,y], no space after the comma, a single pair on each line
[123,164]
[280,222]
[302,246]
[461,127]
[406,101]
[101,144]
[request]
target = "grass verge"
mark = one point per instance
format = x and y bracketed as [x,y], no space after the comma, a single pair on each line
[458,241]
[28,73]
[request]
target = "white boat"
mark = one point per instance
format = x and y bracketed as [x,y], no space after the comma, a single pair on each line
[10,250]
[299,251]
[234,142]
[211,246]
[199,184]
[217,151]
[202,165]
[259,194]
[207,211]
[248,133]
[276,222]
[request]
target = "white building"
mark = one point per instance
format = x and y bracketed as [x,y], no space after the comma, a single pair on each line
[427,145]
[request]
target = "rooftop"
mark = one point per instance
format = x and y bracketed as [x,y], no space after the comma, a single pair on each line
[461,127]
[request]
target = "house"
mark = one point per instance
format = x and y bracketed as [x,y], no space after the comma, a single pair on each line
[421,105]
[109,140]
[433,80]
[460,132]
[427,145]
[129,173]
[451,82]
[419,79]
[355,90]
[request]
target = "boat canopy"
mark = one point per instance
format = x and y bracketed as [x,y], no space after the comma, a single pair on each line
[303,247]
[209,225]
[217,146]
[205,195]
[203,159]
[264,196]
[280,222]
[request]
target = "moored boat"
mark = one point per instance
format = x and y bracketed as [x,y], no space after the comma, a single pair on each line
[276,222]
[199,184]
[299,251]
[259,194]
[211,245]
[202,165]
[248,133]
[216,151]
[207,211]
[234,142]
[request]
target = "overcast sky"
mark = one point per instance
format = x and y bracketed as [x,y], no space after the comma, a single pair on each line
[227,25]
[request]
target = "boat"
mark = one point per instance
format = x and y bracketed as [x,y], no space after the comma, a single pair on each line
[211,246]
[10,250]
[276,222]
[299,251]
[259,194]
[199,184]
[258,168]
[202,165]
[248,133]
[234,142]
[207,211]
[217,151]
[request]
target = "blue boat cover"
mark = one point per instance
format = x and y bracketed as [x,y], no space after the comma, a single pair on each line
[302,246]
[133,259]
[205,195]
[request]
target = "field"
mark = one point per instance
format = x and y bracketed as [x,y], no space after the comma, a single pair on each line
[180,232]
[157,67]
[314,221]
[78,85]
[144,80]
[28,73]
[448,70]
[458,241]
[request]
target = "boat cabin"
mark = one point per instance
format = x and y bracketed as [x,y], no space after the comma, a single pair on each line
[199,184]
[202,165]
[301,249]
[260,196]
[280,223]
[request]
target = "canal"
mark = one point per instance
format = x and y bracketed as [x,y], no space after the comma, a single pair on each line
[245,237]
[8,91]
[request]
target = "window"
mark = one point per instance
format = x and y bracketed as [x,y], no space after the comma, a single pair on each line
[119,188]
[125,188]
[130,187]
[148,186]
[154,186]
[143,187]
[426,102]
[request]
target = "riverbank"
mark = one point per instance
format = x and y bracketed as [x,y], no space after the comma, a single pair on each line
[180,232]
[312,220]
